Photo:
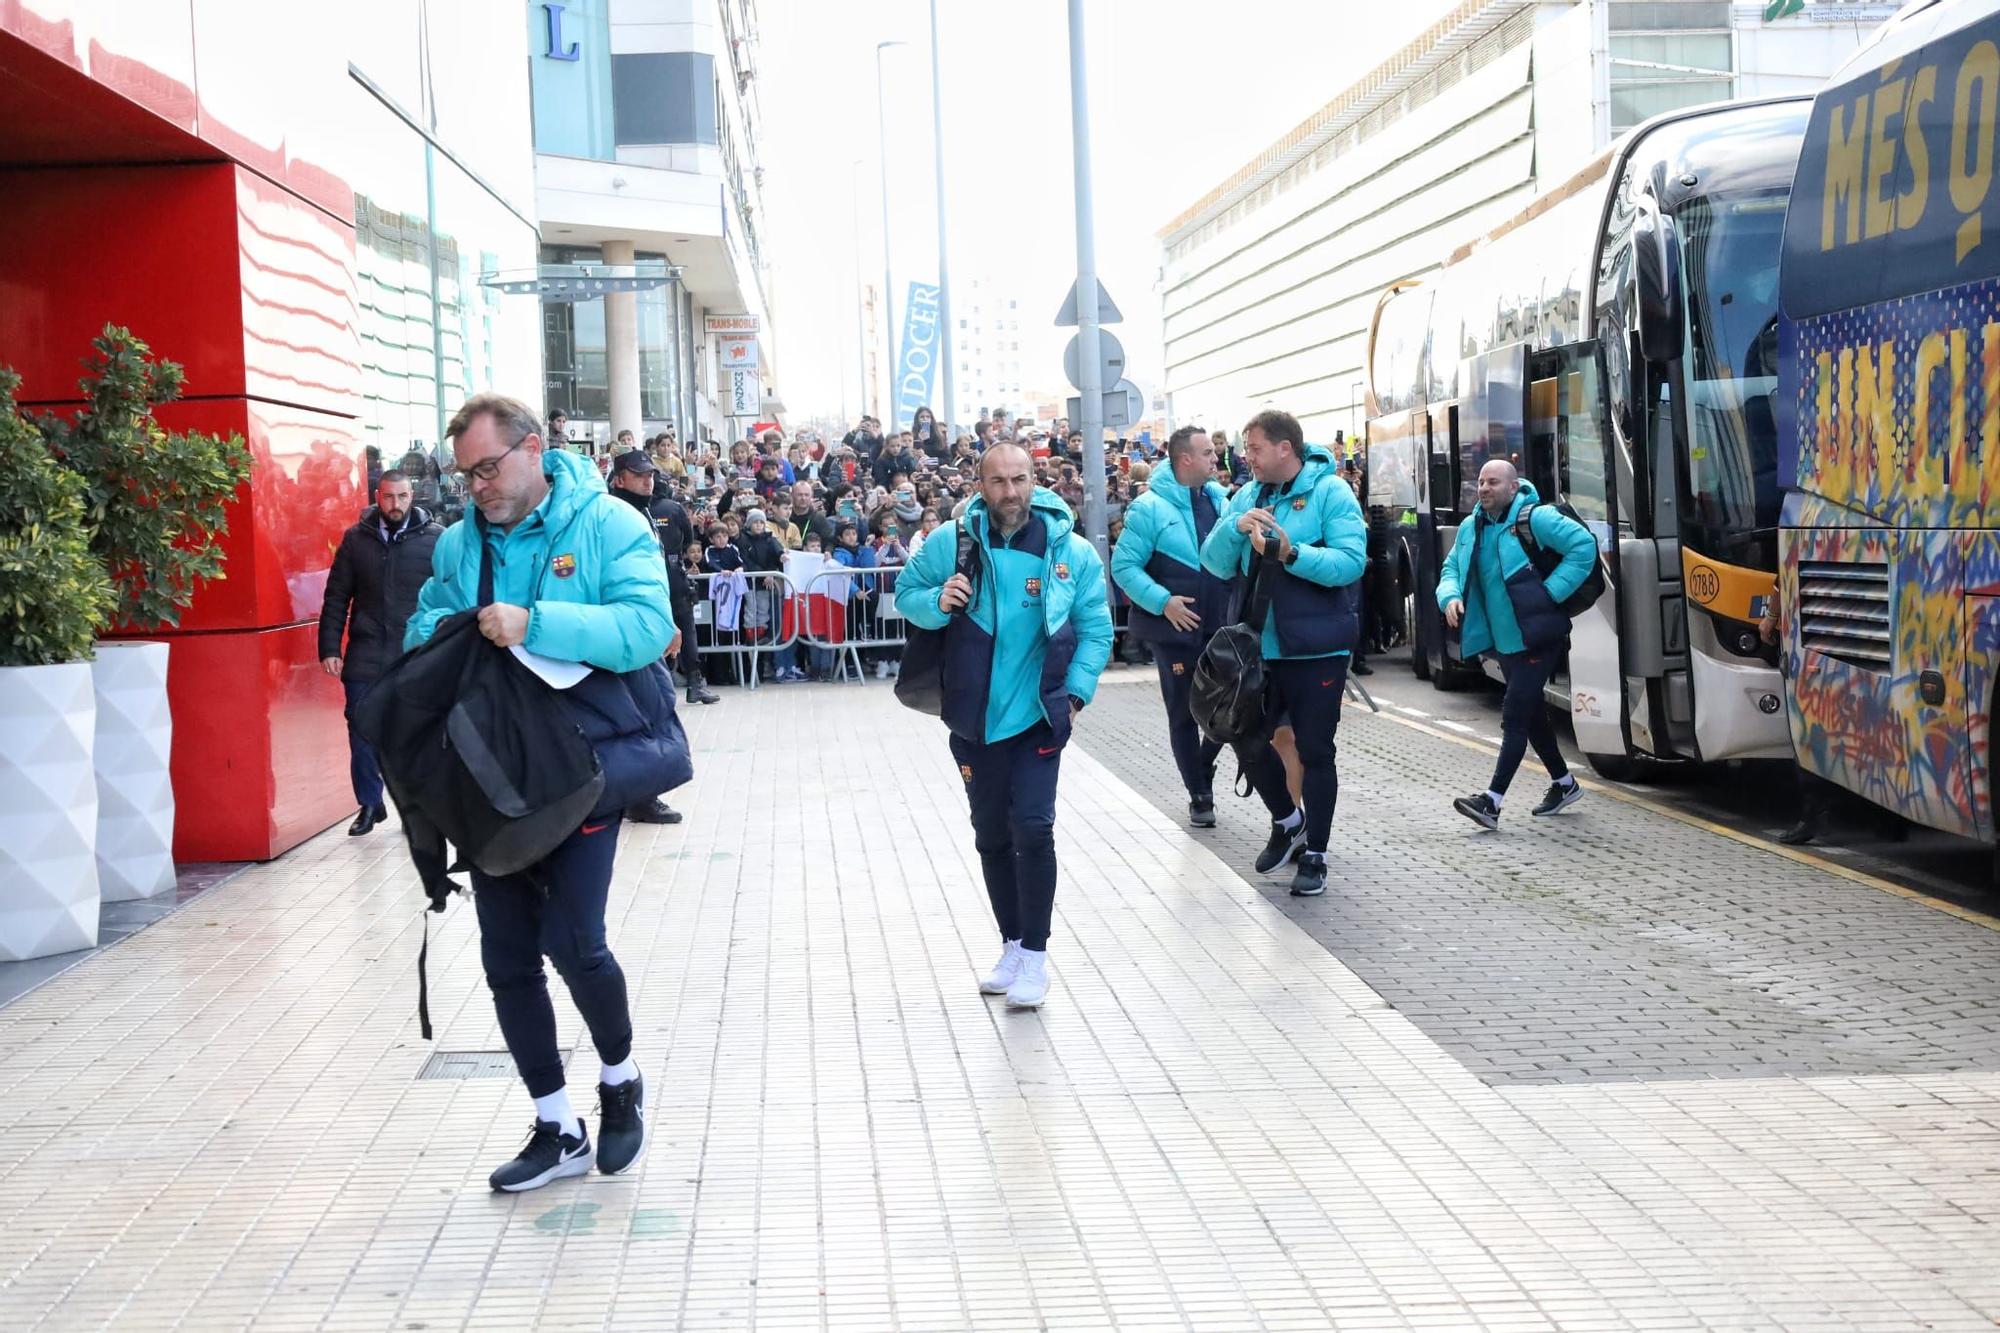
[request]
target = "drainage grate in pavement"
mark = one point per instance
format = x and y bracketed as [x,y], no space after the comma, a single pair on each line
[468,1064]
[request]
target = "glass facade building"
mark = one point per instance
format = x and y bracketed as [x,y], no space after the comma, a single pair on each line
[645,126]
[303,205]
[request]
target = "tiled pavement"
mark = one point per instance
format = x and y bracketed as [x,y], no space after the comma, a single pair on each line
[1607,942]
[1214,1124]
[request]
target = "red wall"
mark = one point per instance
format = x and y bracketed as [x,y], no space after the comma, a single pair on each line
[241,267]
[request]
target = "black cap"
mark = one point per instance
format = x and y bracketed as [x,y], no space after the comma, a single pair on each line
[634,461]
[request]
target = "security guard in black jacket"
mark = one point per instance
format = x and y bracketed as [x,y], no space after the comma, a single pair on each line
[632,478]
[378,570]
[676,531]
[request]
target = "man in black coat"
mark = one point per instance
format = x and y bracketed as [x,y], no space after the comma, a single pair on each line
[378,569]
[675,530]
[633,475]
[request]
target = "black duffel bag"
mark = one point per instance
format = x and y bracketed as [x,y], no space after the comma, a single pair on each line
[1230,680]
[920,679]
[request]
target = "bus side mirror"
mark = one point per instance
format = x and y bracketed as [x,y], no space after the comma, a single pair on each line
[1656,280]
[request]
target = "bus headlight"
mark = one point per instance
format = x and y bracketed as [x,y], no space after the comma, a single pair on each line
[1769,703]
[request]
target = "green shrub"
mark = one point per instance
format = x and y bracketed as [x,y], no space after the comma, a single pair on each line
[54,594]
[156,501]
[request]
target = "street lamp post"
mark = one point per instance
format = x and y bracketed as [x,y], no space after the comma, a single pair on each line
[860,299]
[944,350]
[888,297]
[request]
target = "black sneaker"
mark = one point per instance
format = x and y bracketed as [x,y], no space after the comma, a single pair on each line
[550,1155]
[1285,845]
[655,811]
[1310,881]
[1201,811]
[1479,809]
[621,1125]
[1560,795]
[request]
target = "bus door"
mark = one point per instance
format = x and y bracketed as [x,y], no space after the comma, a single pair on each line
[1570,458]
[1437,518]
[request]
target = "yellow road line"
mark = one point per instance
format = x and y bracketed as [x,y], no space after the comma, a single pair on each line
[1734,835]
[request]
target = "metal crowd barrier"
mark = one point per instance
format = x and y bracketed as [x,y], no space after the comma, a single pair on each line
[850,616]
[743,616]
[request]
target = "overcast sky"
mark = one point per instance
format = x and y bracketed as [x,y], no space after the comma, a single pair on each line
[1181,94]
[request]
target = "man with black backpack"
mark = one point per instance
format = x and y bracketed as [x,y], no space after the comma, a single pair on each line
[1297,530]
[555,566]
[1505,585]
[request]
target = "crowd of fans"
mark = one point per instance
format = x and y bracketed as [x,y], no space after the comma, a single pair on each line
[866,500]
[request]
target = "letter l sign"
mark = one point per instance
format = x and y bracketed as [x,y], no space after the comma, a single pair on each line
[558,50]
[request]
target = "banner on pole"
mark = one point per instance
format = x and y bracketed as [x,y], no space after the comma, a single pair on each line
[745,393]
[916,367]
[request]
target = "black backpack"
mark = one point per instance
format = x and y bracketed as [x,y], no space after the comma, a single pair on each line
[1546,562]
[920,679]
[1231,681]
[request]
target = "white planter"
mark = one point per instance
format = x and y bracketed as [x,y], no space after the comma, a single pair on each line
[135,793]
[48,811]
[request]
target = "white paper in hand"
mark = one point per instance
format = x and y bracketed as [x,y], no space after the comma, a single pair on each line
[553,670]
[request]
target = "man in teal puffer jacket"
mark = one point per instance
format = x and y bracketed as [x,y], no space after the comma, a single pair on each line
[576,577]
[1023,648]
[1176,604]
[1491,592]
[1300,514]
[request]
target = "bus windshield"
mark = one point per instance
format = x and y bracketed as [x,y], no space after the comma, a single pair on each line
[1729,262]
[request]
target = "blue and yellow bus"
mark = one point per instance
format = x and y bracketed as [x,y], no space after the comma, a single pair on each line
[1889,411]
[1616,340]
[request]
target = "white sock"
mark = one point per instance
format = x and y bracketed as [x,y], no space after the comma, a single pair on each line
[1293,820]
[556,1107]
[622,1072]
[1495,797]
[1566,780]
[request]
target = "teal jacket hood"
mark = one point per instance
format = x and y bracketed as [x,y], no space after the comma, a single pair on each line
[573,481]
[1526,496]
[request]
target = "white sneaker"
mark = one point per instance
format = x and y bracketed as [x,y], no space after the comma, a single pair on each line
[1031,982]
[1002,976]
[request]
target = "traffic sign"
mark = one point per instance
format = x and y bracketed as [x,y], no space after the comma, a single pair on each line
[1110,359]
[1123,405]
[1107,311]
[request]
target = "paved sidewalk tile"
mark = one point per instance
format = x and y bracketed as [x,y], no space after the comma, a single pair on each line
[1604,943]
[1214,1123]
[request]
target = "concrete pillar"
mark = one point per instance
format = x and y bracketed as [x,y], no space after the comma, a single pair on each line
[621,348]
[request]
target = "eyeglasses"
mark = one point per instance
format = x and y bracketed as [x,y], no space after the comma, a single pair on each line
[489,468]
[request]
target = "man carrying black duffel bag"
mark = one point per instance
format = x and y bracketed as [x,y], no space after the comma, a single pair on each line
[572,575]
[1303,522]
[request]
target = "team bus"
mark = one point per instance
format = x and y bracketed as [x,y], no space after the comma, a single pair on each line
[1890,416]
[1617,341]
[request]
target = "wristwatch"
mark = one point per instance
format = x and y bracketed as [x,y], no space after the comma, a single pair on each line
[1291,557]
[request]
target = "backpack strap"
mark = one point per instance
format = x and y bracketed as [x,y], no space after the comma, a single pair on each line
[1524,530]
[1263,573]
[485,565]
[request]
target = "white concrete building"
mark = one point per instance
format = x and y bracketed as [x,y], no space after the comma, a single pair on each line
[649,194]
[987,343]
[1269,280]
